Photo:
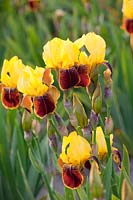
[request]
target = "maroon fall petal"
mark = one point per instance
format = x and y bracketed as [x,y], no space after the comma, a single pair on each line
[84,77]
[43,105]
[72,177]
[129,25]
[10,98]
[68,78]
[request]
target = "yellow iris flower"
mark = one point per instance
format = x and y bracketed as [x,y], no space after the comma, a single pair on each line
[127,8]
[95,46]
[76,150]
[61,54]
[11,71]
[30,82]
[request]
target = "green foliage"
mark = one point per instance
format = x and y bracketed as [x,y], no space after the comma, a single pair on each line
[23,33]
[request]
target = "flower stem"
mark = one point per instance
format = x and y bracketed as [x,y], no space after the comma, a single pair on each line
[43,172]
[108,111]
[94,136]
[46,182]
[107,137]
[54,126]
[38,147]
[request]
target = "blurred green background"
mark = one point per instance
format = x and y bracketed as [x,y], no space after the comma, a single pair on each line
[24,29]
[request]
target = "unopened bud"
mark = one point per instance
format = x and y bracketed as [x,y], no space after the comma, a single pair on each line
[93,119]
[28,136]
[96,186]
[26,121]
[73,120]
[68,104]
[36,127]
[52,137]
[53,142]
[107,75]
[59,13]
[109,125]
[87,131]
[79,112]
[61,125]
[97,99]
[126,192]
[108,95]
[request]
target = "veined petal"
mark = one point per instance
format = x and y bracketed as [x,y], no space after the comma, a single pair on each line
[61,54]
[10,98]
[72,177]
[43,105]
[27,103]
[54,93]
[47,77]
[84,76]
[68,78]
[30,82]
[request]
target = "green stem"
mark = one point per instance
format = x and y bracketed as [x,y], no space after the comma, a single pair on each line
[46,182]
[38,147]
[107,137]
[94,136]
[43,174]
[53,124]
[108,111]
[101,120]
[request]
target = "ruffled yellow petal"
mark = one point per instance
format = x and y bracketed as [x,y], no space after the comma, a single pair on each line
[30,82]
[11,70]
[127,8]
[75,149]
[61,54]
[96,47]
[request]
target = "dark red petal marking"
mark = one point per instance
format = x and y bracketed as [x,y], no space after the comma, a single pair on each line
[10,98]
[27,103]
[68,78]
[87,165]
[72,177]
[33,4]
[84,77]
[43,105]
[129,25]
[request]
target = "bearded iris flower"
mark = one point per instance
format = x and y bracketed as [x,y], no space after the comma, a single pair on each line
[127,10]
[76,151]
[95,46]
[10,73]
[38,92]
[63,55]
